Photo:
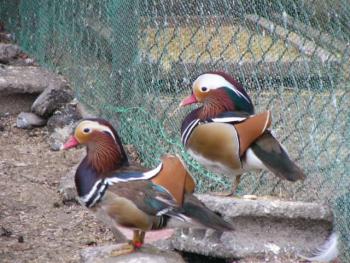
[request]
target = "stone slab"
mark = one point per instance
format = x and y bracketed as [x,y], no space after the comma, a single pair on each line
[144,255]
[28,79]
[263,227]
[267,207]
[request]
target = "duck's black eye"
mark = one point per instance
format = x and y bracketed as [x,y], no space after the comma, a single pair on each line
[86,130]
[204,89]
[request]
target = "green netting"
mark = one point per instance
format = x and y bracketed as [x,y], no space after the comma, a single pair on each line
[133,61]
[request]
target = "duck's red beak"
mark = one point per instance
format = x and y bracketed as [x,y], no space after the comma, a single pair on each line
[71,143]
[188,100]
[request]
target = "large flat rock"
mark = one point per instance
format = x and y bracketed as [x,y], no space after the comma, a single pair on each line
[266,207]
[28,79]
[147,254]
[263,228]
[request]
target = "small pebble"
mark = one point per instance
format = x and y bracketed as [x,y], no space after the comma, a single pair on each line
[20,239]
[5,232]
[91,243]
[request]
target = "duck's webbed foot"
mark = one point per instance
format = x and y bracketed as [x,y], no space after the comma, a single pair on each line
[131,246]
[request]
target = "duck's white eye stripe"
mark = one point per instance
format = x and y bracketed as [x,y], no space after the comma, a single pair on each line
[108,131]
[214,81]
[88,126]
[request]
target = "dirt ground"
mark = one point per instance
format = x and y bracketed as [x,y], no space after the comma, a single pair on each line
[35,226]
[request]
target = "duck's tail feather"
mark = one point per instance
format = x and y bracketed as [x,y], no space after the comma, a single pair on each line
[276,159]
[327,251]
[195,209]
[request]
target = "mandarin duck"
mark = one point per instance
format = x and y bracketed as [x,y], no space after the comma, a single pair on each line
[122,194]
[227,137]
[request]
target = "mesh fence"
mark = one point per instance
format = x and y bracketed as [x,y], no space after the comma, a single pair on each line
[133,61]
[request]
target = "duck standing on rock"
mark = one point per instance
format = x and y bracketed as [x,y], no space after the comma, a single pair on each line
[227,137]
[125,195]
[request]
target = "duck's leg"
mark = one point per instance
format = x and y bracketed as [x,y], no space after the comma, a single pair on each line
[129,247]
[233,188]
[235,185]
[138,238]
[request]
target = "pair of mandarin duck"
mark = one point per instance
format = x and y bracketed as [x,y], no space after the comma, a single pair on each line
[224,135]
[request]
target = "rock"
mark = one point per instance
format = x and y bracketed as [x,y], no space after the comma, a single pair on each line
[28,120]
[60,136]
[5,232]
[234,207]
[22,61]
[83,111]
[145,254]
[6,37]
[263,227]
[163,243]
[26,79]
[8,52]
[52,98]
[66,115]
[66,187]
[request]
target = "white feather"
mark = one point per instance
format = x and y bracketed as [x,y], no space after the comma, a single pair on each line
[252,162]
[229,119]
[327,252]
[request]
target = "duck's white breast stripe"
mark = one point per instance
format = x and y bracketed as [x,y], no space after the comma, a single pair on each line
[229,119]
[95,194]
[99,188]
[145,176]
[186,134]
[86,197]
[186,130]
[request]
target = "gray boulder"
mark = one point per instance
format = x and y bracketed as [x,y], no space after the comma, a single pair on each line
[264,228]
[66,187]
[6,37]
[52,98]
[66,115]
[28,120]
[59,136]
[8,52]
[147,254]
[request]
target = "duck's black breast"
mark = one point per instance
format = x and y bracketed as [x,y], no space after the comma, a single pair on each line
[85,178]
[193,115]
